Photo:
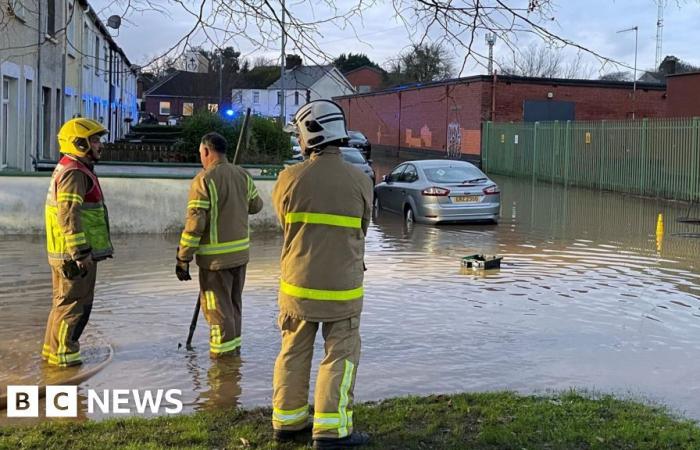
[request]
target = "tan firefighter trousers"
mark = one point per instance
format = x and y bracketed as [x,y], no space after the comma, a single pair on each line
[333,398]
[220,297]
[70,312]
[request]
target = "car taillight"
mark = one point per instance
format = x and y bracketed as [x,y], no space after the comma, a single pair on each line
[492,190]
[435,191]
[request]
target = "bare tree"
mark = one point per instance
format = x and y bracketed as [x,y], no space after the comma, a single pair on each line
[263,61]
[258,23]
[617,76]
[543,61]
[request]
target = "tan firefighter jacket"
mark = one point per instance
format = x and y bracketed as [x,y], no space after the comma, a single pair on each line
[324,205]
[216,225]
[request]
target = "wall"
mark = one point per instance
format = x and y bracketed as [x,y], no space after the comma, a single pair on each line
[683,95]
[136,205]
[445,119]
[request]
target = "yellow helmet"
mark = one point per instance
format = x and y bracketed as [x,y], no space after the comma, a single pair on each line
[73,138]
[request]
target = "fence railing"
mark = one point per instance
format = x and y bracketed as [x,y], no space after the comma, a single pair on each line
[650,157]
[130,152]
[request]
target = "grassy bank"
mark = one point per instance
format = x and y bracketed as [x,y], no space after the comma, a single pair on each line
[467,421]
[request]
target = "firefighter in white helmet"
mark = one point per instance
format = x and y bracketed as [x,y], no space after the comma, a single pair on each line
[77,235]
[321,280]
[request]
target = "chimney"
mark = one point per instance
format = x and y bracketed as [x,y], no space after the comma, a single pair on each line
[292,61]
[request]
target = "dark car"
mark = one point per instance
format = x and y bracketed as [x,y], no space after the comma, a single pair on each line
[358,140]
[355,157]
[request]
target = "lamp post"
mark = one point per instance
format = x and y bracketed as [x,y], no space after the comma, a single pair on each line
[634,82]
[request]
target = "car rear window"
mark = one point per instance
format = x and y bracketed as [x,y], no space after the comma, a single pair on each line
[452,174]
[356,135]
[353,157]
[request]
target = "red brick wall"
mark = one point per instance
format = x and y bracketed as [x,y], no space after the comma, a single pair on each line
[592,103]
[443,116]
[376,116]
[683,95]
[365,77]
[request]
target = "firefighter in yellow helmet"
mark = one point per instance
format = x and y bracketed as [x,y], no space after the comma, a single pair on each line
[77,236]
[216,231]
[321,280]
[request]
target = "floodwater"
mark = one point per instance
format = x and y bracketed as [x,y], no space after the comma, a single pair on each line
[589,296]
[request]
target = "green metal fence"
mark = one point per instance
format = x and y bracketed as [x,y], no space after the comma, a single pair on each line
[651,157]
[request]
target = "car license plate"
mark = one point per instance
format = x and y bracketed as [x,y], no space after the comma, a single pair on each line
[466,199]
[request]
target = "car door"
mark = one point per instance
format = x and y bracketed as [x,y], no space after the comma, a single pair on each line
[390,195]
[405,185]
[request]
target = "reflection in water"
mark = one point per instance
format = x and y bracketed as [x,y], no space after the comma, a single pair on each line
[588,295]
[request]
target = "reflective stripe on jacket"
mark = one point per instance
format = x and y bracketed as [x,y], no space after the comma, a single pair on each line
[324,205]
[216,225]
[77,222]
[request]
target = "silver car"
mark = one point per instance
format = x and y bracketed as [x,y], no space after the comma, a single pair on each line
[433,191]
[355,157]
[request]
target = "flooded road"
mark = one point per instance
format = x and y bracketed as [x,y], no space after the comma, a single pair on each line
[588,296]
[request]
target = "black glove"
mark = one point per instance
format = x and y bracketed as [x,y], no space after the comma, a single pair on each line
[182,270]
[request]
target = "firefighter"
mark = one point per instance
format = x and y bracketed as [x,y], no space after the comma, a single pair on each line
[324,206]
[77,236]
[216,230]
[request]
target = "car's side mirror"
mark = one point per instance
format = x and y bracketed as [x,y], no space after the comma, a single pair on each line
[369,161]
[386,179]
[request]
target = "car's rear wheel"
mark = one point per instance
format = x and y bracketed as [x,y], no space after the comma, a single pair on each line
[409,216]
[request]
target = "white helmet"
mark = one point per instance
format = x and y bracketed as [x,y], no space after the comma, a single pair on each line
[318,122]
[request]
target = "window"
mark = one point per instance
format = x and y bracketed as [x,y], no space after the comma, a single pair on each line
[279,97]
[455,174]
[213,107]
[296,98]
[46,122]
[394,175]
[86,45]
[18,10]
[5,122]
[70,27]
[51,18]
[256,97]
[164,108]
[106,63]
[409,175]
[28,118]
[97,56]
[187,109]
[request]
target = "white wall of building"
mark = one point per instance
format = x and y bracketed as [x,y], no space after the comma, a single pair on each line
[36,96]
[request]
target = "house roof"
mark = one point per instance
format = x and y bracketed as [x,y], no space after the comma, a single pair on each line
[301,77]
[192,84]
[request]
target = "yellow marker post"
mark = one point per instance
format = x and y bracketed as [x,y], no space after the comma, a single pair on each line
[659,232]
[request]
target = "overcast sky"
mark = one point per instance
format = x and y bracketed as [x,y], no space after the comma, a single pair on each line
[590,23]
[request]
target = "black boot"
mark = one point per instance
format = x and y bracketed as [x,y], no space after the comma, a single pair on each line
[291,435]
[356,439]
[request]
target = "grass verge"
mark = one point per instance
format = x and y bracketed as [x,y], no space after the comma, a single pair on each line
[498,420]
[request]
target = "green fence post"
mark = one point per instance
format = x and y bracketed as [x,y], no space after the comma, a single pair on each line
[644,162]
[567,149]
[485,146]
[694,193]
[534,151]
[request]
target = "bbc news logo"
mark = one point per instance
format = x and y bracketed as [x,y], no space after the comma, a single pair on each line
[62,401]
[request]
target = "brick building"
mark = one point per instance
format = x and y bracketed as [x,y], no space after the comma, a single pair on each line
[683,95]
[446,117]
[366,79]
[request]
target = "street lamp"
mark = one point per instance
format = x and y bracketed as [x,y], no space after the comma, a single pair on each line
[634,83]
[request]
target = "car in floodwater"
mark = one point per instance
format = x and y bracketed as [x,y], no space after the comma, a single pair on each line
[355,157]
[437,191]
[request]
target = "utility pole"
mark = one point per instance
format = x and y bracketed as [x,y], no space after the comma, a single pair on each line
[634,83]
[659,33]
[221,71]
[283,117]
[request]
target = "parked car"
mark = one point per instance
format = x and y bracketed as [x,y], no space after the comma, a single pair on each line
[433,191]
[296,149]
[358,140]
[356,158]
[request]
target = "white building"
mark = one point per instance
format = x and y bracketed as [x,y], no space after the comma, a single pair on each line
[57,61]
[302,84]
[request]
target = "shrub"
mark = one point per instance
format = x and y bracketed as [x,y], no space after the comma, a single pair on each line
[267,143]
